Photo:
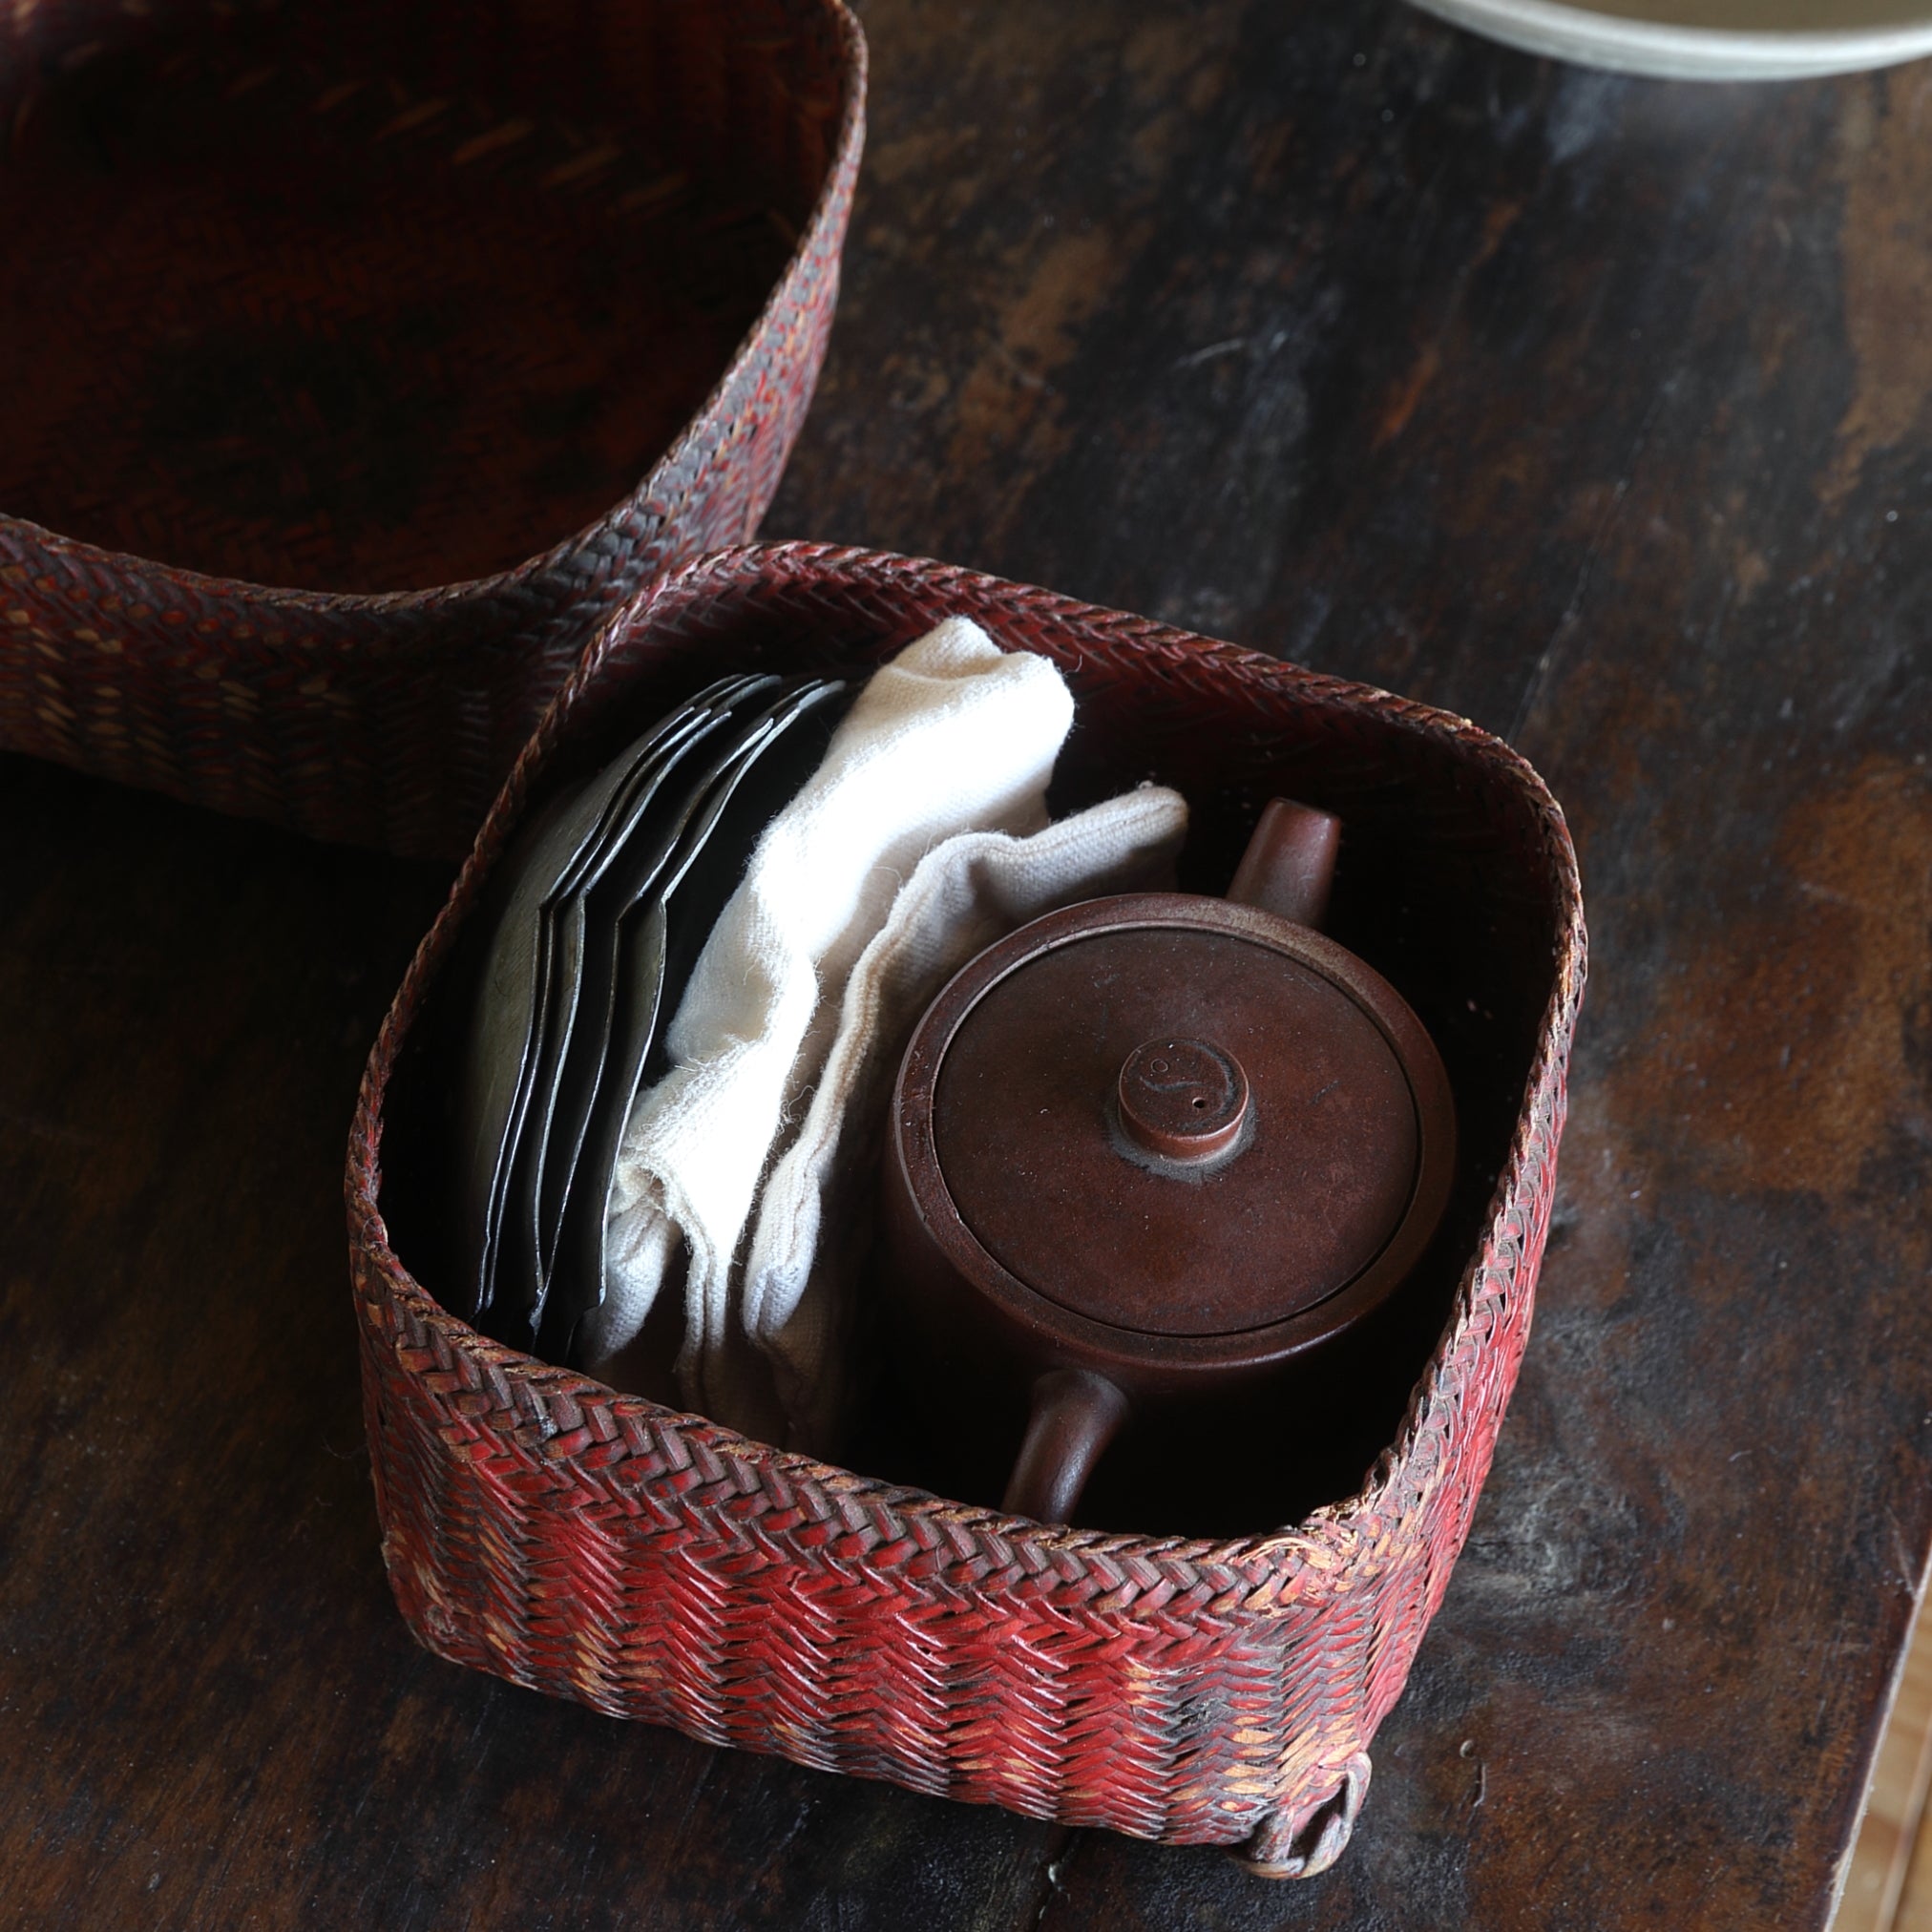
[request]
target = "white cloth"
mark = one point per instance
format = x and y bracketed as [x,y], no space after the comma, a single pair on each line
[807,977]
[798,1291]
[954,734]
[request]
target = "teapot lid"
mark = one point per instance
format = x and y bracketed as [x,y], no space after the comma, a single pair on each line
[1184,1117]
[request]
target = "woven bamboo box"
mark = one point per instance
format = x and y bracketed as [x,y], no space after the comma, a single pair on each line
[1203,1689]
[389,304]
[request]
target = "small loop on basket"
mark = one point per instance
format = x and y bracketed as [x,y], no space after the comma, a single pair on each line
[1300,1843]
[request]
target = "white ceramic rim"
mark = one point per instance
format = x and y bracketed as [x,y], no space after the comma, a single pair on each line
[1670,53]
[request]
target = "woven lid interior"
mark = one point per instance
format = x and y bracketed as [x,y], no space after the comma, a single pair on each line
[387,297]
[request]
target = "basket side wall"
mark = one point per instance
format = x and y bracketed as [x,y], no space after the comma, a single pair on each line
[635,1564]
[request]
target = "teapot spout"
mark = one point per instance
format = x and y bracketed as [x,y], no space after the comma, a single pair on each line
[1289,863]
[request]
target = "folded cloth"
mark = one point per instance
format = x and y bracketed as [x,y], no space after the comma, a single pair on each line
[801,1002]
[953,735]
[815,1210]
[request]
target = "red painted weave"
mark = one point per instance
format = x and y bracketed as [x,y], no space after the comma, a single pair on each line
[655,1566]
[432,333]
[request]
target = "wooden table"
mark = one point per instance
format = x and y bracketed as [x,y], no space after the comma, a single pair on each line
[1597,409]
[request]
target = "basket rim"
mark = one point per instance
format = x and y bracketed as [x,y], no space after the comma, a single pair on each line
[1343,1544]
[699,427]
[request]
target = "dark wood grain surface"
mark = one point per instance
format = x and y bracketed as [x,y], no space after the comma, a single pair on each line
[1598,411]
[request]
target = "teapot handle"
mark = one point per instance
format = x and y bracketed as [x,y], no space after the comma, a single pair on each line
[1075,1414]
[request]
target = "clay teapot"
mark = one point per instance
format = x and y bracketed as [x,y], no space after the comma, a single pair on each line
[1156,1147]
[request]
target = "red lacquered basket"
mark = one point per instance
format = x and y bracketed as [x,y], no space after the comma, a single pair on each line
[362,299]
[1192,1689]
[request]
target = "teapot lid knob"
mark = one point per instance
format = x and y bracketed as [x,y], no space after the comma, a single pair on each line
[1181,1100]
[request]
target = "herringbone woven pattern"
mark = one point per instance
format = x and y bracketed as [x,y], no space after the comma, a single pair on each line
[601,1547]
[508,250]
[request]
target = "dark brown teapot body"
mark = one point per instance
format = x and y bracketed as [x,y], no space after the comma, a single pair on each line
[1154,1148]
